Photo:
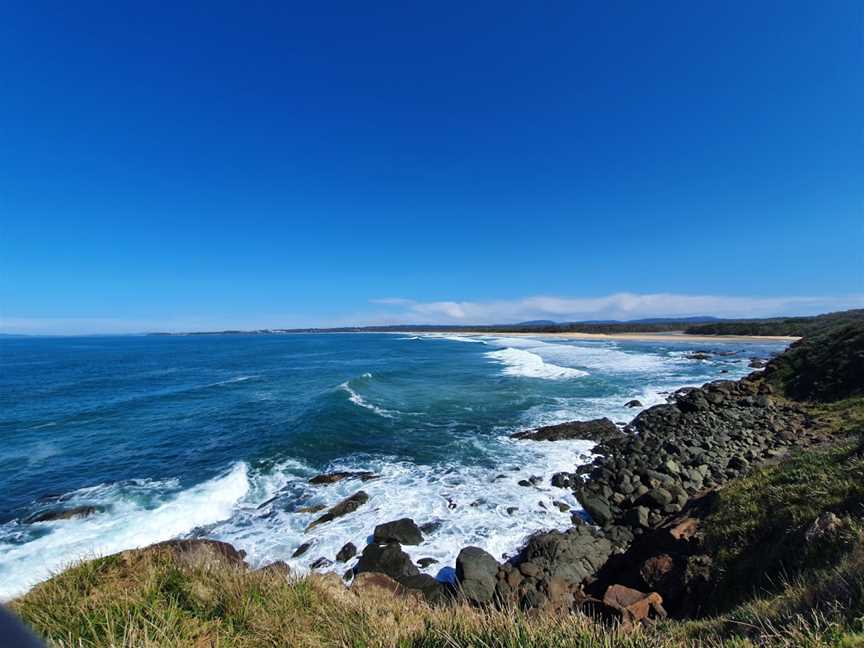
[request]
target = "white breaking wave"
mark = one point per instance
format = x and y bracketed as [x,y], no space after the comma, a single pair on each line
[520,362]
[126,524]
[357,399]
[469,505]
[452,338]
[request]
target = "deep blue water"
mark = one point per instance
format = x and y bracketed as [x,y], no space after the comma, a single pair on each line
[172,436]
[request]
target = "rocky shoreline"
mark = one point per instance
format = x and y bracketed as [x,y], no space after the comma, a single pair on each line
[636,553]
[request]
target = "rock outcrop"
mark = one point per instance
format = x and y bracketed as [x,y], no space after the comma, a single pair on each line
[403,531]
[346,506]
[599,430]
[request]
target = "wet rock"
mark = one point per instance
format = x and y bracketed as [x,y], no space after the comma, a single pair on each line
[403,531]
[633,403]
[430,527]
[599,430]
[347,552]
[64,514]
[346,506]
[757,363]
[332,478]
[321,563]
[426,562]
[564,480]
[476,572]
[302,549]
[317,508]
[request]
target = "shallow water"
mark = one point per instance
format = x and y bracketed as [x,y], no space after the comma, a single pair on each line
[217,436]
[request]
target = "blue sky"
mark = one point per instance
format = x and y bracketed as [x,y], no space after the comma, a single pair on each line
[270,164]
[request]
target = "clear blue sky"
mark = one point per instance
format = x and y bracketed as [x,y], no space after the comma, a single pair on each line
[279,163]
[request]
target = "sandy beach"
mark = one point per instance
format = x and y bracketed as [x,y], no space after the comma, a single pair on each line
[667,336]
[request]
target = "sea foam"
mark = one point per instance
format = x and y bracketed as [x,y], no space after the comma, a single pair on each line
[123,524]
[520,362]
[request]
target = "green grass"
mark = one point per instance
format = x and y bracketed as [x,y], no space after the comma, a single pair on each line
[757,530]
[153,599]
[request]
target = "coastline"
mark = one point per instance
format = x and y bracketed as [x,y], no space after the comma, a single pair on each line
[669,336]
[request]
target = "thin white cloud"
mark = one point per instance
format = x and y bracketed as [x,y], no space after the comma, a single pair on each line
[618,306]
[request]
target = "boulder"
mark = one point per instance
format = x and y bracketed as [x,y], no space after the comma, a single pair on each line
[571,555]
[476,572]
[633,403]
[403,531]
[632,606]
[346,506]
[595,506]
[386,559]
[347,552]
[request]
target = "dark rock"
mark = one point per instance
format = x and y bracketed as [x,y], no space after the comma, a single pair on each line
[332,478]
[564,480]
[425,562]
[572,555]
[321,562]
[346,506]
[387,559]
[598,430]
[476,572]
[595,506]
[65,514]
[302,549]
[633,403]
[430,527]
[757,363]
[347,552]
[403,531]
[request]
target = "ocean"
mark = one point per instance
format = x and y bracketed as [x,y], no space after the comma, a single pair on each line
[217,436]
